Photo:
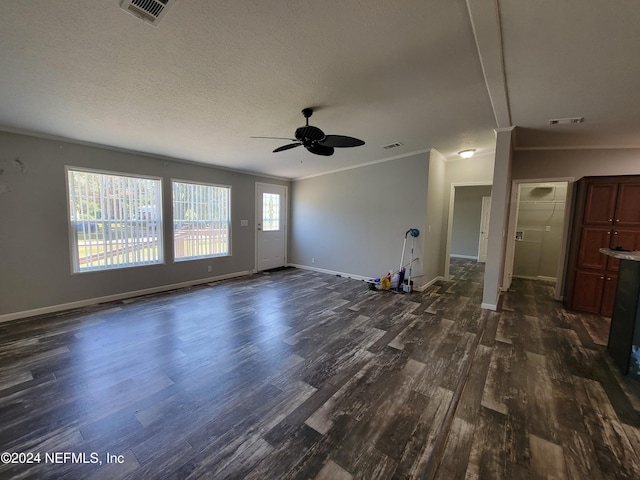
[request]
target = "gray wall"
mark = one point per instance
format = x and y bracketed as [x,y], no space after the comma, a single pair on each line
[512,164]
[434,237]
[540,164]
[34,238]
[467,208]
[548,164]
[354,221]
[541,210]
[477,169]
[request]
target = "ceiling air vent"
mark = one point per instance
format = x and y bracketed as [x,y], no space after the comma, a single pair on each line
[561,121]
[151,11]
[392,145]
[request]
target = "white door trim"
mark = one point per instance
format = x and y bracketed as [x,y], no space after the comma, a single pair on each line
[258,219]
[484,229]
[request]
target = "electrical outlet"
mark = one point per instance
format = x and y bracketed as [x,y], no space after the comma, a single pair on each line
[209,268]
[313,260]
[548,228]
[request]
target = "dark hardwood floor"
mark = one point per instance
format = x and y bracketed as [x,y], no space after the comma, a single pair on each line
[304,375]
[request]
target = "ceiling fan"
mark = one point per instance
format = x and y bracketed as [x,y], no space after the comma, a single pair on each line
[314,139]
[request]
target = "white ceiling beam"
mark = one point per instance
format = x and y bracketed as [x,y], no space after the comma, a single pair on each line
[487,30]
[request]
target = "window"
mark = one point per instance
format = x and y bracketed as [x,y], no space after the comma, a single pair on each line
[270,212]
[201,220]
[115,220]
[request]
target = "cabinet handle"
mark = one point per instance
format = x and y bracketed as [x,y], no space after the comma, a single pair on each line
[615,233]
[601,278]
[617,220]
[609,278]
[610,220]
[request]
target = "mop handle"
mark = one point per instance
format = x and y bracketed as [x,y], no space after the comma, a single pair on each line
[404,246]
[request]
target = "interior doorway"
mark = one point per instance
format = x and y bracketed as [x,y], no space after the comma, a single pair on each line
[538,232]
[464,222]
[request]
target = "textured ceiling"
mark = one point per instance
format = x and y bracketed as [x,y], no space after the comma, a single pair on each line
[430,74]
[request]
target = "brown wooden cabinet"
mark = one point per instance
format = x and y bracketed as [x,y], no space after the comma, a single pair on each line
[591,241]
[588,296]
[627,212]
[606,214]
[600,204]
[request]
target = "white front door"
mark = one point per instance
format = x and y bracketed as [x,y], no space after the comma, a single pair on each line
[484,229]
[271,223]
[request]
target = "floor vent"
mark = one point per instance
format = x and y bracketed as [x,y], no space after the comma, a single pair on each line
[392,145]
[151,11]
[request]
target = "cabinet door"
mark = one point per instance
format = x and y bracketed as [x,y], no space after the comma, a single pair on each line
[591,241]
[628,205]
[609,294]
[587,291]
[627,238]
[600,203]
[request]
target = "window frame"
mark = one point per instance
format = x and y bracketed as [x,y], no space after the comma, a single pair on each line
[229,189]
[72,225]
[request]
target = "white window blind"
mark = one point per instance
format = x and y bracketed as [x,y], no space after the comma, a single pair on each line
[201,220]
[115,220]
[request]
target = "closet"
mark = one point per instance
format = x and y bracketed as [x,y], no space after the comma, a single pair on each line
[606,214]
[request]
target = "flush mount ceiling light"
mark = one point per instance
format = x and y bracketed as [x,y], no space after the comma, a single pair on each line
[467,153]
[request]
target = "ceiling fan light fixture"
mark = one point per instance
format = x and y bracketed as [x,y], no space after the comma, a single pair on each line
[467,153]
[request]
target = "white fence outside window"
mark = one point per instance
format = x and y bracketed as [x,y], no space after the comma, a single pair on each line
[201,220]
[115,220]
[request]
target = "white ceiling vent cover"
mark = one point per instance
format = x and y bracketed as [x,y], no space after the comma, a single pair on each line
[151,11]
[563,121]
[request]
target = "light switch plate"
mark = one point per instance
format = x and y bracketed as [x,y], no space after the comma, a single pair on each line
[244,223]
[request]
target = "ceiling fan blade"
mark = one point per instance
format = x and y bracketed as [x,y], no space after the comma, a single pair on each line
[319,149]
[278,138]
[287,147]
[340,141]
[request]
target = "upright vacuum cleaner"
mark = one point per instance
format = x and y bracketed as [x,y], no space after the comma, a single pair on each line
[414,232]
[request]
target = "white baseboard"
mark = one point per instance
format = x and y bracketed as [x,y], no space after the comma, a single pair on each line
[524,277]
[538,277]
[546,279]
[466,257]
[418,288]
[422,288]
[330,272]
[489,306]
[119,296]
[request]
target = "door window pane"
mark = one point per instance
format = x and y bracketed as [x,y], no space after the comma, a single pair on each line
[270,212]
